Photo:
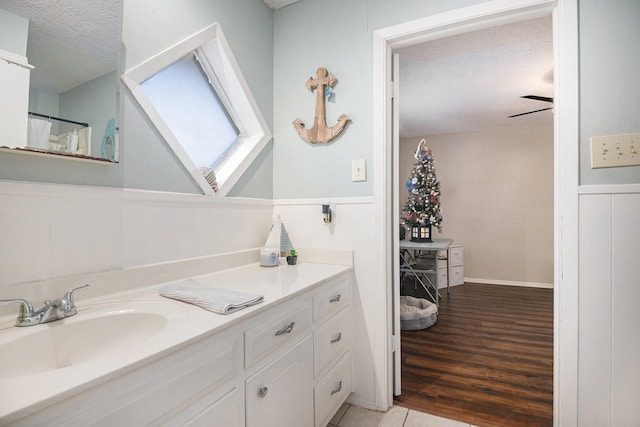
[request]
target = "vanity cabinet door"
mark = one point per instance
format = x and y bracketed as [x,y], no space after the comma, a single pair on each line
[226,411]
[168,391]
[281,394]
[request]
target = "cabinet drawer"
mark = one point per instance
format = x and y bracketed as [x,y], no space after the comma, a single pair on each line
[332,300]
[275,333]
[456,275]
[456,256]
[332,391]
[331,340]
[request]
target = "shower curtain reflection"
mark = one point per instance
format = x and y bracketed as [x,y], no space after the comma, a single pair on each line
[66,136]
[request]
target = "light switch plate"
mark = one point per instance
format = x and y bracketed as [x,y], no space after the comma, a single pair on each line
[615,150]
[358,170]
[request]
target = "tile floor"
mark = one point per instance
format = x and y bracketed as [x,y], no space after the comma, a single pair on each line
[396,416]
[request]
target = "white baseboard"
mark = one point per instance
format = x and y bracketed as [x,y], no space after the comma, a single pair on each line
[366,404]
[509,283]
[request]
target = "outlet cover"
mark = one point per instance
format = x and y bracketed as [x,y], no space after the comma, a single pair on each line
[615,151]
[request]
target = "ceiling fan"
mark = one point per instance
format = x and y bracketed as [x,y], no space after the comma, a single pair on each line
[535,98]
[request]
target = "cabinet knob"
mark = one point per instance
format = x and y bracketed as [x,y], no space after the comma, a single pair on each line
[335,299]
[262,392]
[286,330]
[338,338]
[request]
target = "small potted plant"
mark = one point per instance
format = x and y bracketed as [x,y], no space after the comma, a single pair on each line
[292,258]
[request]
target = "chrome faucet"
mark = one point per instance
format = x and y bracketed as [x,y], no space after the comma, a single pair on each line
[57,309]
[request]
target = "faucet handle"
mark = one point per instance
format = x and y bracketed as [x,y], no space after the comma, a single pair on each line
[26,309]
[68,297]
[26,315]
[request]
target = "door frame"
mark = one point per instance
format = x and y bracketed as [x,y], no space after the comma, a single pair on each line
[566,171]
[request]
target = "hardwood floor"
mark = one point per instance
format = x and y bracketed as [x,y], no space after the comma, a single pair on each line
[487,361]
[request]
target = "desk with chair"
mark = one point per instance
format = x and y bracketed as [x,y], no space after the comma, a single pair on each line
[420,260]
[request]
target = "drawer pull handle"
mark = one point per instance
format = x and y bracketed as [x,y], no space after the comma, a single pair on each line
[335,299]
[286,330]
[262,392]
[337,389]
[335,340]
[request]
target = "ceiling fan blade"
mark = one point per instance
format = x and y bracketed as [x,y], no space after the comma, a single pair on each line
[538,98]
[530,112]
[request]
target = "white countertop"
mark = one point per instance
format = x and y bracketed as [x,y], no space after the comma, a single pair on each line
[25,394]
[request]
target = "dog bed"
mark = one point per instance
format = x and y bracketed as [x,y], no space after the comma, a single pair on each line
[417,313]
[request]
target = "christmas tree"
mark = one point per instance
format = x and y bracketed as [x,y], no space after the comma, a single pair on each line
[423,205]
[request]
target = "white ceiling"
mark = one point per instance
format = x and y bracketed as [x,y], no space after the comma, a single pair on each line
[473,81]
[70,41]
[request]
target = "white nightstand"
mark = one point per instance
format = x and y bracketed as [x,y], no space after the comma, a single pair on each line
[455,275]
[456,265]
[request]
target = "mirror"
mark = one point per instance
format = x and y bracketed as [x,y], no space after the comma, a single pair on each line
[74,47]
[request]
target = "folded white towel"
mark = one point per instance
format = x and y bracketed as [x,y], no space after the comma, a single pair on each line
[222,301]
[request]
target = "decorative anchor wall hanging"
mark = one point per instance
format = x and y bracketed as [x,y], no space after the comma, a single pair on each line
[320,132]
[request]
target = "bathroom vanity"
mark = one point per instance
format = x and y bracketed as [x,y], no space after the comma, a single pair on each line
[154,361]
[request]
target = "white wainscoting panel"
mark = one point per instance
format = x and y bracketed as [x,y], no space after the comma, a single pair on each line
[26,243]
[625,340]
[51,231]
[609,342]
[353,230]
[55,230]
[594,368]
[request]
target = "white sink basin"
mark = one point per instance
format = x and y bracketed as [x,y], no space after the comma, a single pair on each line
[97,331]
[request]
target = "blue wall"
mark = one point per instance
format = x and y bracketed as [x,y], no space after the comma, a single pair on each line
[13,32]
[338,35]
[609,81]
[277,52]
[151,26]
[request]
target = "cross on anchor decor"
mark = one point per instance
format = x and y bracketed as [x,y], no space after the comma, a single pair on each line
[320,132]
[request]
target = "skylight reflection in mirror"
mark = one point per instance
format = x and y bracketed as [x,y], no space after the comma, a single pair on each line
[193,111]
[224,78]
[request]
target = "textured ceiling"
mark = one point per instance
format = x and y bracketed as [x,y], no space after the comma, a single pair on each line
[462,83]
[277,4]
[473,81]
[70,41]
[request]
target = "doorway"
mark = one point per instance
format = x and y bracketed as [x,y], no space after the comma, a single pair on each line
[496,176]
[566,166]
[493,148]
